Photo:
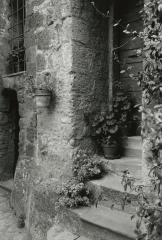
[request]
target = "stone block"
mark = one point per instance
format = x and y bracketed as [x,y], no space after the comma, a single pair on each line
[33,3]
[34,21]
[57,233]
[31,54]
[41,62]
[67,56]
[43,39]
[81,31]
[31,69]
[30,149]
[49,38]
[30,135]
[30,39]
[66,10]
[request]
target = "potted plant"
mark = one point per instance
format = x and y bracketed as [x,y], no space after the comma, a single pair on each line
[105,130]
[42,97]
[110,127]
[43,91]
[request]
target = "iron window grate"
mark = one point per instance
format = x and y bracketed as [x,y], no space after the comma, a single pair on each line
[16,58]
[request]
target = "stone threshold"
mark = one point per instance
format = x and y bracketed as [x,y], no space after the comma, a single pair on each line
[7,185]
[108,221]
[13,74]
[111,188]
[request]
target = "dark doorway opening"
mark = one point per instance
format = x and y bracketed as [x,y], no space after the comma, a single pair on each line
[13,132]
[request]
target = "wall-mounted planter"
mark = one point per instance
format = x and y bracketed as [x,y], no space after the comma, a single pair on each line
[42,98]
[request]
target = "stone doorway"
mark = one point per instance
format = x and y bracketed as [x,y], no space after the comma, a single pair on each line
[130,64]
[129,13]
[12,131]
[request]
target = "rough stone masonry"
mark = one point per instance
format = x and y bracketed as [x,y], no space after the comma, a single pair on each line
[65,43]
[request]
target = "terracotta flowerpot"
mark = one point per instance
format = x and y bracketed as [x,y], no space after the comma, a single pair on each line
[42,98]
[111,151]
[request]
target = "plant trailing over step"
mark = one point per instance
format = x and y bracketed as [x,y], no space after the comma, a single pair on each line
[73,194]
[77,192]
[86,167]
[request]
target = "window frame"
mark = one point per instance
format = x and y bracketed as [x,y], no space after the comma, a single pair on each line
[16,57]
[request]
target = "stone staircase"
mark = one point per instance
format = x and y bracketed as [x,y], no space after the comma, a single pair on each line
[108,221]
[105,222]
[133,147]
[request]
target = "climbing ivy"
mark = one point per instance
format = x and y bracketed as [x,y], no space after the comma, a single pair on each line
[149,212]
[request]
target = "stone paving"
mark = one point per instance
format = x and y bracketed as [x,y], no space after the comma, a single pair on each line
[57,233]
[8,222]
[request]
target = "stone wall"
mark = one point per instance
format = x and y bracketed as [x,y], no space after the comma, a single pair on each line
[69,49]
[65,43]
[89,41]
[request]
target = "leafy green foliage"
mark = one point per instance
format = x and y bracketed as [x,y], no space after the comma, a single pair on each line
[149,212]
[73,194]
[76,192]
[151,78]
[86,167]
[107,127]
[152,129]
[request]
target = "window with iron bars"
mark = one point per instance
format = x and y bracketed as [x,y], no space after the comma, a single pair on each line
[16,58]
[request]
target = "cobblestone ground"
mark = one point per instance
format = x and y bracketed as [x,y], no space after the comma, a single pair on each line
[8,222]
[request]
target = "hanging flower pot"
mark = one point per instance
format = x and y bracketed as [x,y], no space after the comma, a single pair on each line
[42,98]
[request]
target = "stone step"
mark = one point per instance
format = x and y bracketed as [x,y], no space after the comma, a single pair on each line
[57,232]
[133,147]
[113,194]
[135,141]
[134,165]
[109,221]
[7,185]
[104,223]
[112,190]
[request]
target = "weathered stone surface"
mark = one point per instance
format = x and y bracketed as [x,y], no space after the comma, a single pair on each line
[31,54]
[58,233]
[30,150]
[34,21]
[8,222]
[41,62]
[67,40]
[30,135]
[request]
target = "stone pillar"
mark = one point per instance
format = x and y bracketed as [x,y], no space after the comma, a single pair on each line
[90,68]
[66,54]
